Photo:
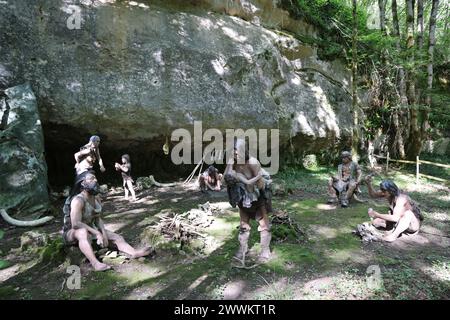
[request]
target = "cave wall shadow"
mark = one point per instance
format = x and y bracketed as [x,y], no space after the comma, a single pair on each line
[63,141]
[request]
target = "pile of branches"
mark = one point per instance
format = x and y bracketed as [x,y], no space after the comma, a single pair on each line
[185,226]
[285,228]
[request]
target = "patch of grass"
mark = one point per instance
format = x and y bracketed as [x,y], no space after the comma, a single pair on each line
[342,242]
[223,227]
[291,254]
[6,292]
[101,285]
[277,290]
[217,265]
[306,206]
[170,246]
[405,283]
[311,211]
[346,284]
[283,233]
[53,252]
[356,286]
[217,292]
[387,261]
[311,181]
[440,268]
[3,264]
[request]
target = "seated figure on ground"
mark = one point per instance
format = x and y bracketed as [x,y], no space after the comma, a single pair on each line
[83,223]
[242,174]
[343,186]
[404,214]
[211,179]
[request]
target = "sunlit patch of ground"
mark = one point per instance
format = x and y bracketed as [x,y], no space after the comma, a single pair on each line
[439,270]
[344,285]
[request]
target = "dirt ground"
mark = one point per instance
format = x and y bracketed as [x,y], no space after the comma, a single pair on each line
[331,264]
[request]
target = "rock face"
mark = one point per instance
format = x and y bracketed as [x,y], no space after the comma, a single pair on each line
[137,70]
[23,178]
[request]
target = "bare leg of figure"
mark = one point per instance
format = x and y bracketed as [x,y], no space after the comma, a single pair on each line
[201,182]
[219,181]
[244,235]
[123,246]
[209,183]
[403,224]
[84,243]
[126,190]
[379,223]
[344,195]
[331,192]
[130,187]
[265,236]
[350,190]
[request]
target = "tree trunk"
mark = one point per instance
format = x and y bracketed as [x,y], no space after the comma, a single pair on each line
[409,24]
[355,135]
[398,112]
[420,23]
[431,44]
[402,82]
[447,17]
[398,145]
[382,7]
[415,141]
[395,134]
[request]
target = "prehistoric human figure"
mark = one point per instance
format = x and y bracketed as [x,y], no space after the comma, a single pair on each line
[125,170]
[346,182]
[404,214]
[84,162]
[83,223]
[92,148]
[210,179]
[245,171]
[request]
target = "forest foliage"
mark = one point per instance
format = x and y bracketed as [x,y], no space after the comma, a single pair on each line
[392,69]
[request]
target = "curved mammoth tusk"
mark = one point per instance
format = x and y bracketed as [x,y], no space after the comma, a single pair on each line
[21,223]
[159,184]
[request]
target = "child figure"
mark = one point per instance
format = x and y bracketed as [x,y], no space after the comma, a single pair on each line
[211,179]
[125,169]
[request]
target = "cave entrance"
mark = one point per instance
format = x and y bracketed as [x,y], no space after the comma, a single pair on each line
[147,157]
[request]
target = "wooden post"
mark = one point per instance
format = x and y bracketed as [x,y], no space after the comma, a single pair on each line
[387,162]
[417,170]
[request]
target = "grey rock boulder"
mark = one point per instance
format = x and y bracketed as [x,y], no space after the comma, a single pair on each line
[23,177]
[136,70]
